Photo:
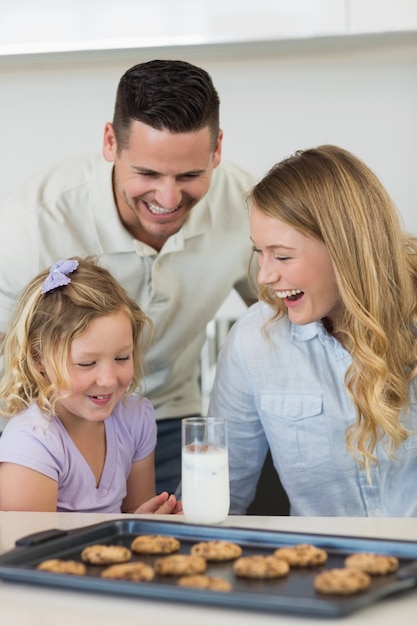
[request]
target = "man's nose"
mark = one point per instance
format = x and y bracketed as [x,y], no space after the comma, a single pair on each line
[168,193]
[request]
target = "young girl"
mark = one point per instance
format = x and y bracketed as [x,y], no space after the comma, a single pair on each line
[323,369]
[79,439]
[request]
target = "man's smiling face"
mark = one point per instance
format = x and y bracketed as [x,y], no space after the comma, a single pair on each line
[159,177]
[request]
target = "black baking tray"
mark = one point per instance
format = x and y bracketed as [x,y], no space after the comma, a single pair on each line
[293,594]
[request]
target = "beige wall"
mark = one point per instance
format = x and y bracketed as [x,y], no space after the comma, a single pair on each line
[359,92]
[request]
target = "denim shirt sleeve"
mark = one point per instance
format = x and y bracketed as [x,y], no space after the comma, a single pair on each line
[232,397]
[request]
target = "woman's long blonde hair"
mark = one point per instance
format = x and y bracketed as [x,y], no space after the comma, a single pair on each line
[329,194]
[45,325]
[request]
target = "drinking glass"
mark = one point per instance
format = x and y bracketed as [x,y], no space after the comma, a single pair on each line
[205,470]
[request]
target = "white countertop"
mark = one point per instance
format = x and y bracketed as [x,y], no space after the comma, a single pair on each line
[22,605]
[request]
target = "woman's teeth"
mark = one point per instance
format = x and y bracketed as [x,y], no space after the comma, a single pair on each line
[158,210]
[288,293]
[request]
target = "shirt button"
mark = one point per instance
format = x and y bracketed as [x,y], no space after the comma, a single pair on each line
[377,512]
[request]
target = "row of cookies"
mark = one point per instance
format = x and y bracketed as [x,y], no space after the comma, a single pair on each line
[182,565]
[190,569]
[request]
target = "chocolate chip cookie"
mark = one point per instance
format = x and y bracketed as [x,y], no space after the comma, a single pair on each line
[180,565]
[105,555]
[341,581]
[135,571]
[155,544]
[260,567]
[373,564]
[217,550]
[302,555]
[61,566]
[202,581]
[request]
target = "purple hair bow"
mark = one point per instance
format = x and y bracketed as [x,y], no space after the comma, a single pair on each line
[57,276]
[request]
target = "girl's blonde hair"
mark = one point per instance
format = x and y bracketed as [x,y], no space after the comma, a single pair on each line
[329,194]
[45,325]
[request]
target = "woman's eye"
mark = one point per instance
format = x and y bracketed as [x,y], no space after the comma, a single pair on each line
[123,358]
[282,258]
[86,364]
[256,250]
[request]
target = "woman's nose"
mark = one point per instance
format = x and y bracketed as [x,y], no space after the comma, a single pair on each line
[268,272]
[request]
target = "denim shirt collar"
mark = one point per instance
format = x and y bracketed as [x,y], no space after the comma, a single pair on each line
[307,332]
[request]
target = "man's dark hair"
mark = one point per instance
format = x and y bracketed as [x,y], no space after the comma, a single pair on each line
[171,95]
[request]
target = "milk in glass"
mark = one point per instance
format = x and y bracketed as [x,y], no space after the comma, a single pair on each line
[205,483]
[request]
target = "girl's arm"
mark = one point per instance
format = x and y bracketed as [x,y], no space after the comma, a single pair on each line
[24,489]
[141,497]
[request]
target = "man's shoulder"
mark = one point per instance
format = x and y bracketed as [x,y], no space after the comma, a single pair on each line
[229,173]
[58,180]
[229,186]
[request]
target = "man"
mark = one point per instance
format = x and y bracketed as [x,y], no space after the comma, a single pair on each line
[161,213]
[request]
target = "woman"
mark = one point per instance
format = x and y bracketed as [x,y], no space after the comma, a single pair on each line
[323,369]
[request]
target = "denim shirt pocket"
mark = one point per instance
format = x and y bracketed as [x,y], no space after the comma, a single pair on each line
[296,428]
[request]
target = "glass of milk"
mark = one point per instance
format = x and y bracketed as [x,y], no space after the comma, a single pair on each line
[205,470]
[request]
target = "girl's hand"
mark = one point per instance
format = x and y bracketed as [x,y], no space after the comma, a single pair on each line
[161,505]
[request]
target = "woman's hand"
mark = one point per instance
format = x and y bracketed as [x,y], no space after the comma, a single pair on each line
[161,505]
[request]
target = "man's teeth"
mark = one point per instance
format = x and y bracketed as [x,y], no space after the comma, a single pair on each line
[158,210]
[288,293]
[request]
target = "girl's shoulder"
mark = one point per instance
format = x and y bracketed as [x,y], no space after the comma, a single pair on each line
[134,412]
[134,403]
[31,434]
[134,417]
[31,418]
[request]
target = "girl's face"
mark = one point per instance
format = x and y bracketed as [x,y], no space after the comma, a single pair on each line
[298,268]
[100,366]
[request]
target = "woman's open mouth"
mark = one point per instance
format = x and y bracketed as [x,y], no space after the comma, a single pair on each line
[290,294]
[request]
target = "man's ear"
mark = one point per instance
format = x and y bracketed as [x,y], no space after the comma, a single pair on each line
[109,143]
[217,154]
